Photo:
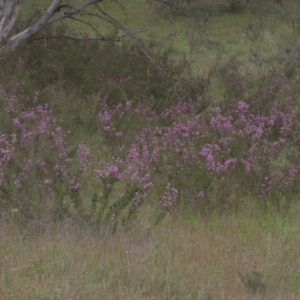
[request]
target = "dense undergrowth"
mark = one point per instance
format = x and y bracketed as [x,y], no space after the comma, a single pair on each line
[92,132]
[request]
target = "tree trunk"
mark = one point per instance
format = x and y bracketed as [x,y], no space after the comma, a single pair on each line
[8,15]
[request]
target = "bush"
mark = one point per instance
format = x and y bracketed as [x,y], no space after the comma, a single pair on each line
[96,134]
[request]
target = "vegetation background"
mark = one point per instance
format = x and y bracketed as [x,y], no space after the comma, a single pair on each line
[117,183]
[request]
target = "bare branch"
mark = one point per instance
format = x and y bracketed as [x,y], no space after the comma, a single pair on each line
[73,10]
[60,37]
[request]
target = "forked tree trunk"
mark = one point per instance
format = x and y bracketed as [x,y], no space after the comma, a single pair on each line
[8,15]
[9,12]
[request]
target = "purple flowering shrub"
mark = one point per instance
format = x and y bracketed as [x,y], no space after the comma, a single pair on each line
[253,146]
[42,172]
[37,163]
[212,159]
[194,153]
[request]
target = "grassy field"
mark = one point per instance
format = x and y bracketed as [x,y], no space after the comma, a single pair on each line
[240,244]
[233,257]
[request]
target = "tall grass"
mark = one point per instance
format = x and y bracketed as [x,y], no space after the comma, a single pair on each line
[183,258]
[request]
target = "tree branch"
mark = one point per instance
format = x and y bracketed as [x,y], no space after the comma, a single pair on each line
[60,37]
[49,16]
[73,10]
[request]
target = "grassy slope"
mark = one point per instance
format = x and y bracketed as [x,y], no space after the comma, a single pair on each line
[183,258]
[229,32]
